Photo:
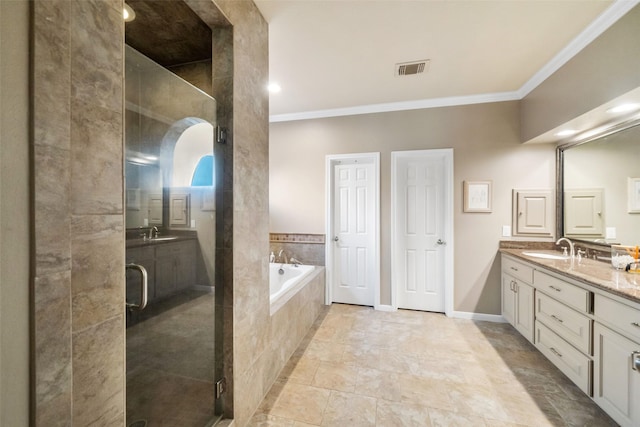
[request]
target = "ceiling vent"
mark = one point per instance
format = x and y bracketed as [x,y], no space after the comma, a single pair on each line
[412,68]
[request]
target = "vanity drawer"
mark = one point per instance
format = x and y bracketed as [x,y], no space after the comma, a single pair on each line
[564,321]
[570,361]
[517,270]
[565,292]
[174,248]
[618,315]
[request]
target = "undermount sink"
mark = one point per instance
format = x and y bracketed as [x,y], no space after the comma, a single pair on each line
[545,255]
[163,239]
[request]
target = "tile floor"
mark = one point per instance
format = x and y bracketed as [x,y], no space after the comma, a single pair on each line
[361,367]
[170,363]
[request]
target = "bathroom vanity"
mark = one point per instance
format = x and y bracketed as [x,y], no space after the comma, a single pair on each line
[584,316]
[170,266]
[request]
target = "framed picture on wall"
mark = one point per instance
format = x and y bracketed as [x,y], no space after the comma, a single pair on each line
[633,198]
[477,196]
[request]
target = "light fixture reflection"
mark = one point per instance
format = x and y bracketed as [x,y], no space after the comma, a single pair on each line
[274,87]
[127,13]
[566,132]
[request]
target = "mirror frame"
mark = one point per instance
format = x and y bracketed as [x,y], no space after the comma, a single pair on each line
[560,149]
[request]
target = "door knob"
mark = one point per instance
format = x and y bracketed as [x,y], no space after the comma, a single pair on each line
[441,242]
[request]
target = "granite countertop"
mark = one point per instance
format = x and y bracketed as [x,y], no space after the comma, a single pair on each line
[591,272]
[136,243]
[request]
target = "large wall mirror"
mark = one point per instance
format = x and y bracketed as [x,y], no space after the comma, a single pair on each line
[600,188]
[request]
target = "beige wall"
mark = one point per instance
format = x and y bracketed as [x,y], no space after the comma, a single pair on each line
[602,71]
[14,213]
[485,139]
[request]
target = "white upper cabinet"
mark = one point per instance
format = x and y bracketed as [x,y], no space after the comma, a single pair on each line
[533,213]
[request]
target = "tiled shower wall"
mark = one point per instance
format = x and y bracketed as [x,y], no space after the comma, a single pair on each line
[78,236]
[78,326]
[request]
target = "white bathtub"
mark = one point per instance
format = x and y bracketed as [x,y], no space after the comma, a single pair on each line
[283,286]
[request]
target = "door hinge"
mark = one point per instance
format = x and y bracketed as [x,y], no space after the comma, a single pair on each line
[221,387]
[220,134]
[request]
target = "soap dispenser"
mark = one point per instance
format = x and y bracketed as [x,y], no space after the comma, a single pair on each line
[272,257]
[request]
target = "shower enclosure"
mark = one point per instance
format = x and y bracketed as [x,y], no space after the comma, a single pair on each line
[170,254]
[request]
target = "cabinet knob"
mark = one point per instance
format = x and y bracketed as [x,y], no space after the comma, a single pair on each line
[635,361]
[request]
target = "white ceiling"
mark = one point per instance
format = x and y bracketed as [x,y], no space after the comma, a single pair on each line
[335,57]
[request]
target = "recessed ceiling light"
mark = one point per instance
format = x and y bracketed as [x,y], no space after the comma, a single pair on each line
[274,87]
[566,132]
[127,13]
[624,108]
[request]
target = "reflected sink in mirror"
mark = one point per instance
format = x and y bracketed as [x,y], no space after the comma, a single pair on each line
[545,255]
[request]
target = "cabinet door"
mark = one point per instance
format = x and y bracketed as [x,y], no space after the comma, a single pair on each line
[186,266]
[616,383]
[524,315]
[165,276]
[534,212]
[583,212]
[508,298]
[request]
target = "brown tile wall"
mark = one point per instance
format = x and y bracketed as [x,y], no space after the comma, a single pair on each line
[307,248]
[78,326]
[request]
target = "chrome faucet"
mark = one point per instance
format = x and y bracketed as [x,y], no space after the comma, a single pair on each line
[153,235]
[572,252]
[296,262]
[282,255]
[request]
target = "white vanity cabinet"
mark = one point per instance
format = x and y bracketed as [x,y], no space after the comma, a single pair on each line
[518,296]
[617,359]
[564,326]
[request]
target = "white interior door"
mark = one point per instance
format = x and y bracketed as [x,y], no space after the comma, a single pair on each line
[422,228]
[354,269]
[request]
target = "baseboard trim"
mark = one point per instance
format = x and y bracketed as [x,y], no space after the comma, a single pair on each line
[381,307]
[496,318]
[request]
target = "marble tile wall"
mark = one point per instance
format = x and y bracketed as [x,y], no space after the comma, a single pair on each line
[307,248]
[78,226]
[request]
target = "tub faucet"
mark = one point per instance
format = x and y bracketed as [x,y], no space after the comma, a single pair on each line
[572,252]
[282,255]
[296,262]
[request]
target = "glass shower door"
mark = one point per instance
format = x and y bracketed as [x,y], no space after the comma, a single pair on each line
[170,220]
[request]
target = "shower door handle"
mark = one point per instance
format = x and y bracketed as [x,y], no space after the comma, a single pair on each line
[144,287]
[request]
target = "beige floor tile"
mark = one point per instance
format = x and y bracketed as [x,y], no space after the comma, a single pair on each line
[348,409]
[440,418]
[336,376]
[467,373]
[301,403]
[477,401]
[400,414]
[325,351]
[265,420]
[301,371]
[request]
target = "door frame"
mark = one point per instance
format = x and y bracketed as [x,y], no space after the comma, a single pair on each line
[332,160]
[447,153]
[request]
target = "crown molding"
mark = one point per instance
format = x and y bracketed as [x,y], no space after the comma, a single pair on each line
[599,25]
[607,18]
[397,106]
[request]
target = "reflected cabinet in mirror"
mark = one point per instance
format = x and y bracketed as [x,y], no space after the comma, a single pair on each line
[600,189]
